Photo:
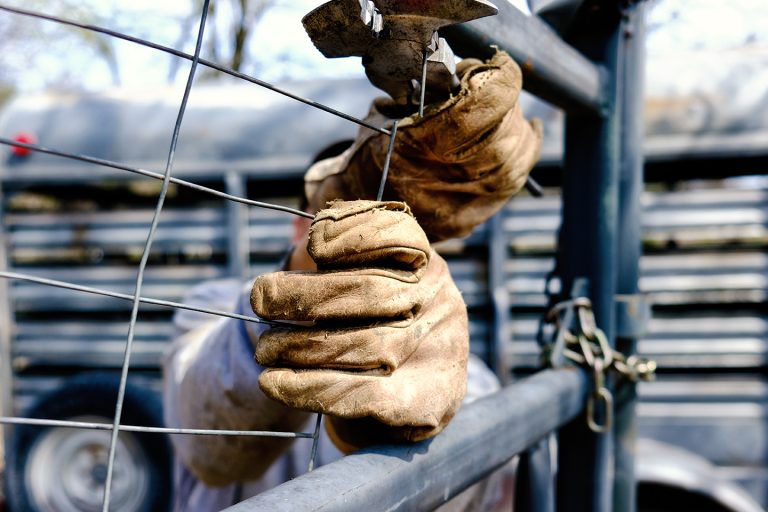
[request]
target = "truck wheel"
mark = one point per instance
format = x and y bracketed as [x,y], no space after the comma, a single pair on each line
[64,469]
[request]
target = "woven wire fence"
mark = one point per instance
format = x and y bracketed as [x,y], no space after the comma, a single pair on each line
[166,177]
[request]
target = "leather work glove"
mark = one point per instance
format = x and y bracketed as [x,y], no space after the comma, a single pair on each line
[386,354]
[456,166]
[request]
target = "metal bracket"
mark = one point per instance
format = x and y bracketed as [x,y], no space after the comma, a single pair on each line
[392,37]
[633,312]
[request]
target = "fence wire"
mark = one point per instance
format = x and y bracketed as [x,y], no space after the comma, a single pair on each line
[166,177]
[204,62]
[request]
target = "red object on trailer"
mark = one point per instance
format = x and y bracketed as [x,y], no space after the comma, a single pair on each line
[24,138]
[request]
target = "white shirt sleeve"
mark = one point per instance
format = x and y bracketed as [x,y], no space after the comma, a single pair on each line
[211,382]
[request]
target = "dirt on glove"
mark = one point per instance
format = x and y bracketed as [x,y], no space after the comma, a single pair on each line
[456,166]
[386,352]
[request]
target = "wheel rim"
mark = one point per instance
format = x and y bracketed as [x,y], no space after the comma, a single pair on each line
[66,470]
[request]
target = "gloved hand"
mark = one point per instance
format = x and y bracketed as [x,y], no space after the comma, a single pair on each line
[456,166]
[386,355]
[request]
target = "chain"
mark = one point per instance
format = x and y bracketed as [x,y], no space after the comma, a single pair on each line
[587,346]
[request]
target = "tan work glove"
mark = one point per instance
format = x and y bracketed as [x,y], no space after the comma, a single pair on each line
[456,166]
[387,354]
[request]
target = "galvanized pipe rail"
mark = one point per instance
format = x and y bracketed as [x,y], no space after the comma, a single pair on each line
[482,437]
[552,69]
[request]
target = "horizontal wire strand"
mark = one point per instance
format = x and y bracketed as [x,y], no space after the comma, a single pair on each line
[38,422]
[155,175]
[204,62]
[126,296]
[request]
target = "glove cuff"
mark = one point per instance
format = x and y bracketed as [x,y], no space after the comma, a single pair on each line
[351,435]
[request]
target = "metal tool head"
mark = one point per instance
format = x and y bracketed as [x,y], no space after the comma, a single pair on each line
[391,37]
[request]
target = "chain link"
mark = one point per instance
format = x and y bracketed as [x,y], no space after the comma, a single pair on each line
[587,346]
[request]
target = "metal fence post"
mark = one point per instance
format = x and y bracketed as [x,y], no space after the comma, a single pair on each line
[588,248]
[6,326]
[535,488]
[632,311]
[499,338]
[237,227]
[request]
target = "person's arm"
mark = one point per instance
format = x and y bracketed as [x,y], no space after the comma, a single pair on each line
[387,355]
[211,382]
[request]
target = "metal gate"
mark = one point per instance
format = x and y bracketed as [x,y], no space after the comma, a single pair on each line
[596,78]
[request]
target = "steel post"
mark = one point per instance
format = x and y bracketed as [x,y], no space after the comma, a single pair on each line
[588,248]
[483,436]
[500,334]
[535,488]
[632,78]
[237,228]
[6,325]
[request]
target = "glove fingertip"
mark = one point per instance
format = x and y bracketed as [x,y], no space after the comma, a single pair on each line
[263,356]
[269,382]
[260,296]
[362,233]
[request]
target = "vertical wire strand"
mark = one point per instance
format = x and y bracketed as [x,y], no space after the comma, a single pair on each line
[145,258]
[125,296]
[315,439]
[423,92]
[388,159]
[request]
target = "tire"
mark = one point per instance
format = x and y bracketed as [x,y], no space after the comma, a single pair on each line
[57,469]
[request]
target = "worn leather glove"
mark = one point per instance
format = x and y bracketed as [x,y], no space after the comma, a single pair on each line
[386,355]
[456,166]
